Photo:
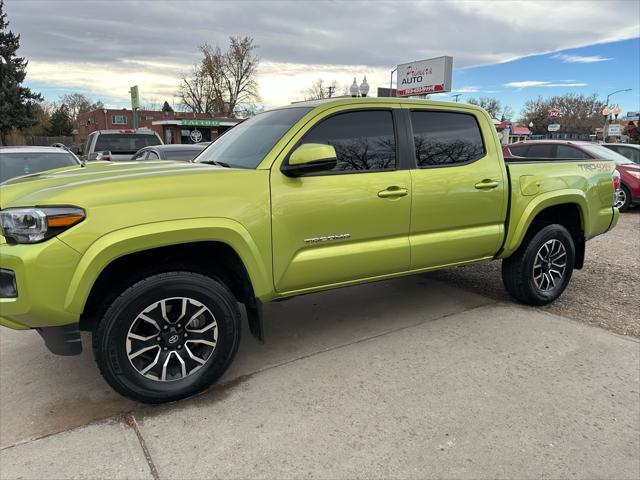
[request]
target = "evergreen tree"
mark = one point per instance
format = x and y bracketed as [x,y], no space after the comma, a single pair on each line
[17,103]
[60,122]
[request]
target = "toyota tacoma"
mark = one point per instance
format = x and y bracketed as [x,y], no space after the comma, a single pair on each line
[155,259]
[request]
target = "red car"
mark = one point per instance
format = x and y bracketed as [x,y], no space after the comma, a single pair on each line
[629,192]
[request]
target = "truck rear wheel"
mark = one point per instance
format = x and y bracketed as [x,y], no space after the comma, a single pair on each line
[539,271]
[167,337]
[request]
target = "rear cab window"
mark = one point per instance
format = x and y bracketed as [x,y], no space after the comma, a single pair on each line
[444,139]
[125,143]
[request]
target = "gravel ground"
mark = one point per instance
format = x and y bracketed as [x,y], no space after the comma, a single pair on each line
[605,293]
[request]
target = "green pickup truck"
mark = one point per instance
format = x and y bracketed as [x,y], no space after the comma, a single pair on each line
[154,258]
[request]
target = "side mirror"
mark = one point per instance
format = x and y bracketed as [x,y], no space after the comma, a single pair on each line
[310,158]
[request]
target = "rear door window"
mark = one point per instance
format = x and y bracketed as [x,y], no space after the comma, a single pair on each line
[519,150]
[544,150]
[446,138]
[566,151]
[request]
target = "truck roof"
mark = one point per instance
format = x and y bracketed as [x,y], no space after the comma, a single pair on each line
[337,101]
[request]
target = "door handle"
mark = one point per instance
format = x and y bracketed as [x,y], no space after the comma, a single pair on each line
[487,185]
[393,192]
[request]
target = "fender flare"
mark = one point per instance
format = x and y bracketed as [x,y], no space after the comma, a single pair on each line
[517,233]
[161,234]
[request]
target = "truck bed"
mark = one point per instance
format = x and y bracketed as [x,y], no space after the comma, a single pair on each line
[536,183]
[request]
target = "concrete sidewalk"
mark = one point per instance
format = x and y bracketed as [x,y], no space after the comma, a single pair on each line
[402,379]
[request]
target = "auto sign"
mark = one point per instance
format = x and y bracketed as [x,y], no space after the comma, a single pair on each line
[425,76]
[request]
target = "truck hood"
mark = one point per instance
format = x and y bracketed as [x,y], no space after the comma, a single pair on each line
[51,184]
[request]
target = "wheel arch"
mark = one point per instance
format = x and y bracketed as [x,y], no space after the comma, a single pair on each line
[570,211]
[127,248]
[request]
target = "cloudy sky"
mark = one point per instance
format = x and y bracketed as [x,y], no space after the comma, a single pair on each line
[510,50]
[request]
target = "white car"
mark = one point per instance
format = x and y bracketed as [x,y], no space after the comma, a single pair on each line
[20,161]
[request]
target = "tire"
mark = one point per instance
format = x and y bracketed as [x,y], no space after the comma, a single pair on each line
[199,323]
[623,198]
[524,273]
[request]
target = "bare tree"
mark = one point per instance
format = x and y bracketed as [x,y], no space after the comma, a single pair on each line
[319,90]
[231,74]
[247,110]
[196,91]
[578,113]
[491,105]
[79,103]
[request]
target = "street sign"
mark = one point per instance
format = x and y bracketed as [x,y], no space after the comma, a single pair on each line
[554,113]
[425,76]
[553,127]
[613,130]
[135,97]
[196,122]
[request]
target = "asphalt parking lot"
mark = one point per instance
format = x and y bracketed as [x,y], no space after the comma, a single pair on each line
[415,377]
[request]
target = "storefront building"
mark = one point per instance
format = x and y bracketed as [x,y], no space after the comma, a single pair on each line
[173,127]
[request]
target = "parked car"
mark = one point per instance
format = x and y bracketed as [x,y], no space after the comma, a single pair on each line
[629,192]
[20,161]
[153,258]
[181,152]
[118,145]
[629,150]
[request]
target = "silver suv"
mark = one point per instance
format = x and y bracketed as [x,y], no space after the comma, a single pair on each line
[118,145]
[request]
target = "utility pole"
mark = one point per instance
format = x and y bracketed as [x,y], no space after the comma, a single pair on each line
[457,96]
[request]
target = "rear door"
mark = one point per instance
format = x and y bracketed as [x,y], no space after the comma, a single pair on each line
[351,223]
[459,188]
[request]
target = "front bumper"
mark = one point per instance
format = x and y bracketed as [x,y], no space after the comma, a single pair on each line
[42,275]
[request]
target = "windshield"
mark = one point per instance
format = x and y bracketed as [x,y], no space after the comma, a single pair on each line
[245,145]
[125,142]
[599,151]
[17,164]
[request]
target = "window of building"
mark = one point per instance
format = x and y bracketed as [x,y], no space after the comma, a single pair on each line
[565,151]
[446,138]
[118,119]
[364,140]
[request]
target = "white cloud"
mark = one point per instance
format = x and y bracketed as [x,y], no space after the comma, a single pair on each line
[467,89]
[536,83]
[581,59]
[109,44]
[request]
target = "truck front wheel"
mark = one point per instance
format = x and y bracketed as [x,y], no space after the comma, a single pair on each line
[539,271]
[167,337]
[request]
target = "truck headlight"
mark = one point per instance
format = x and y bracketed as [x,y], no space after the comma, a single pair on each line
[35,224]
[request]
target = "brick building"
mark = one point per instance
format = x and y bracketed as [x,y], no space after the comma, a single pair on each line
[173,127]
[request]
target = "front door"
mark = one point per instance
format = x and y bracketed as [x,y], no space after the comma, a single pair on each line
[350,223]
[459,189]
